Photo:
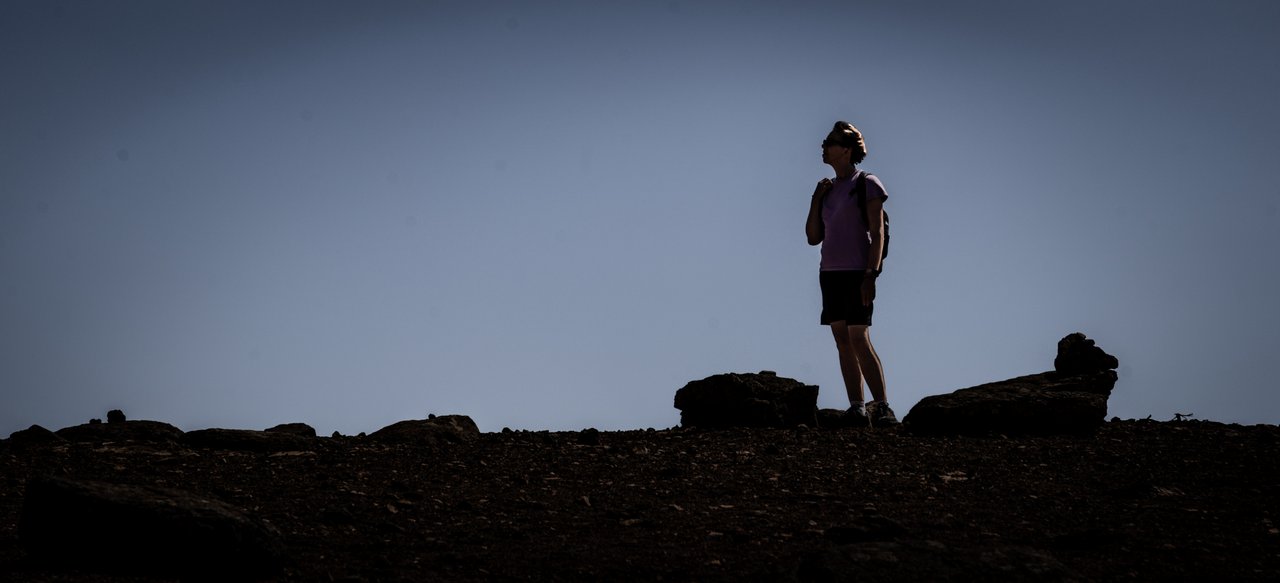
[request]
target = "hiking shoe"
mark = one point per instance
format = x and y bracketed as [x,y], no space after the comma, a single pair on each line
[856,417]
[881,415]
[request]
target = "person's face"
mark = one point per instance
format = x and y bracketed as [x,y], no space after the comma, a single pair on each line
[832,151]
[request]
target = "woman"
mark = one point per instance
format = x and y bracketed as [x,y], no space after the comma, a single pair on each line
[852,248]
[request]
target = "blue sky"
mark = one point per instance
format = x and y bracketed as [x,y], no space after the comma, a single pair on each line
[238,214]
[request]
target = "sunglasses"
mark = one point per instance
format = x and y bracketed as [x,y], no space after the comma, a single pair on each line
[828,143]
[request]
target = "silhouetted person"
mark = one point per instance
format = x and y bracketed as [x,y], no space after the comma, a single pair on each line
[852,250]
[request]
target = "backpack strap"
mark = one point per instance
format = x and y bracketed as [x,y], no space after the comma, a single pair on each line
[860,191]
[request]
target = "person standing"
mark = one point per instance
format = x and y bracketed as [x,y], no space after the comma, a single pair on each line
[853,240]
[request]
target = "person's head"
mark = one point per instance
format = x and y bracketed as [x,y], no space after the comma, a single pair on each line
[844,140]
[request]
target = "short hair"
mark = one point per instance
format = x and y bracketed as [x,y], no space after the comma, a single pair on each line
[848,136]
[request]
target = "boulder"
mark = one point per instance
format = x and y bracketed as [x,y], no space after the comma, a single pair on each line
[144,431]
[747,400]
[589,436]
[299,429]
[1071,400]
[115,416]
[247,440]
[1029,405]
[431,431]
[139,530]
[1078,354]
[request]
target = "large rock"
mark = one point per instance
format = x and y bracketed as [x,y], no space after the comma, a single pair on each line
[1079,355]
[143,431]
[248,440]
[1072,400]
[299,429]
[1030,405]
[747,400]
[114,528]
[431,431]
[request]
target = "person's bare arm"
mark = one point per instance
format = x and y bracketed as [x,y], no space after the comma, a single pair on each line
[875,225]
[813,227]
[875,218]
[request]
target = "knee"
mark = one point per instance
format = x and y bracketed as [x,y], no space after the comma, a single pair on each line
[851,340]
[852,347]
[858,340]
[841,337]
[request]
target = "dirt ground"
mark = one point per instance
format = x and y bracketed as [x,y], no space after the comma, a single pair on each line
[1140,500]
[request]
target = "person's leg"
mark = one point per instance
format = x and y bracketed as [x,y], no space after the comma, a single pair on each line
[849,365]
[867,360]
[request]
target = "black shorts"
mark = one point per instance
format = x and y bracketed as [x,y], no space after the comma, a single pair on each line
[842,298]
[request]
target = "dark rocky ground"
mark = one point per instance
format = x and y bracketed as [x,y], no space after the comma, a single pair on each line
[1139,500]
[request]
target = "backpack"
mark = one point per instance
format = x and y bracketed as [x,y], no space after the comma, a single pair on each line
[860,190]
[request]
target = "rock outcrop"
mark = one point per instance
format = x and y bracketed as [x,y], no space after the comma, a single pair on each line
[138,530]
[747,400]
[34,436]
[248,440]
[433,430]
[141,431]
[299,429]
[1069,400]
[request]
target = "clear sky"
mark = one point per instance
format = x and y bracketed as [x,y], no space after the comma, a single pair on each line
[553,215]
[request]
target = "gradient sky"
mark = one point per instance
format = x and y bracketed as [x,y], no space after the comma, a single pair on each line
[554,215]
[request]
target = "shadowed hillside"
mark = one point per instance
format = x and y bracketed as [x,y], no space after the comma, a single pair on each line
[435,500]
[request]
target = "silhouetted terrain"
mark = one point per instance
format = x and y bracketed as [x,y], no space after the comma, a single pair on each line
[1139,500]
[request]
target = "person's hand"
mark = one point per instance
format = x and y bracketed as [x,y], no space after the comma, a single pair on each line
[868,289]
[823,187]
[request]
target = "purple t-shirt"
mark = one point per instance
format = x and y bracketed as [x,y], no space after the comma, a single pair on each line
[846,240]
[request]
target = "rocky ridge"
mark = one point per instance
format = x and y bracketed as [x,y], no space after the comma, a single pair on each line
[1134,500]
[778,491]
